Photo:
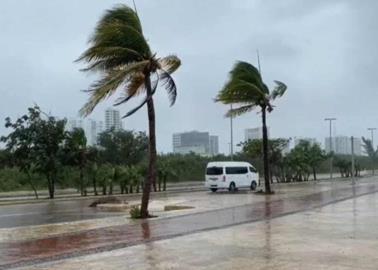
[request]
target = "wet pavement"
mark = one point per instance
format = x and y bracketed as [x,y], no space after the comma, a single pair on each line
[307,197]
[339,236]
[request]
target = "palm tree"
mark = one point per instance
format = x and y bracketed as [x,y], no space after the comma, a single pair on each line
[247,89]
[120,52]
[370,151]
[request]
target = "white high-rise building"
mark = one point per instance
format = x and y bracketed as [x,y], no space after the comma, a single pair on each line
[342,145]
[92,128]
[254,133]
[112,119]
[200,143]
[214,145]
[312,141]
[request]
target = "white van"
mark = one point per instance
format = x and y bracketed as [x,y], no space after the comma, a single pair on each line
[230,175]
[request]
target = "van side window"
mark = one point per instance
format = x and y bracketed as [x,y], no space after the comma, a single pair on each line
[214,171]
[251,169]
[236,170]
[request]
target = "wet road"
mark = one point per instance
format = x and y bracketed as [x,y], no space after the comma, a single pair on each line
[57,211]
[49,212]
[115,237]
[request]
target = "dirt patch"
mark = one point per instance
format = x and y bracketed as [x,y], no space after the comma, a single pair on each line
[106,200]
[177,207]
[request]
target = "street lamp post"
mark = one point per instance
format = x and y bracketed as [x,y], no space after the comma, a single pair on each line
[330,146]
[372,135]
[232,138]
[353,165]
[372,141]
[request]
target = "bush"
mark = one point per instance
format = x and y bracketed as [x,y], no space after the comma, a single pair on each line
[135,211]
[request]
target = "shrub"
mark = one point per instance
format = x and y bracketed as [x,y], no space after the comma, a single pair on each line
[135,211]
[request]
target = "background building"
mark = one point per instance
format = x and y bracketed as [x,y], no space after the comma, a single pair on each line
[112,119]
[312,141]
[214,145]
[254,133]
[342,145]
[200,143]
[92,128]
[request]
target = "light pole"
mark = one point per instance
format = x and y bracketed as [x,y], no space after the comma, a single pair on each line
[232,138]
[330,146]
[353,166]
[372,141]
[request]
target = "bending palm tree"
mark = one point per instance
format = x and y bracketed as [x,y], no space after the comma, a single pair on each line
[120,52]
[247,89]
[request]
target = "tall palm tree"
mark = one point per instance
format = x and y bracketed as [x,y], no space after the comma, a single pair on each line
[246,89]
[120,52]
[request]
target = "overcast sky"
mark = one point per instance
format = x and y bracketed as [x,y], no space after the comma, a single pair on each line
[325,51]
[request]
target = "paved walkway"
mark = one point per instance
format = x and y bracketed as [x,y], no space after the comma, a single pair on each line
[116,237]
[339,236]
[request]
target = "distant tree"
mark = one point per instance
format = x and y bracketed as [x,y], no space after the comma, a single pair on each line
[76,154]
[105,174]
[5,158]
[37,141]
[121,53]
[247,89]
[20,144]
[316,157]
[370,151]
[165,170]
[254,149]
[122,147]
[133,176]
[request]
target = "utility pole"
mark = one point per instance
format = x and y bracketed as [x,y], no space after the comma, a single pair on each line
[372,141]
[372,136]
[353,167]
[330,146]
[232,138]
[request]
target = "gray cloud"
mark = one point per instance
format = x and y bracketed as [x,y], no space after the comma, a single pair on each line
[324,50]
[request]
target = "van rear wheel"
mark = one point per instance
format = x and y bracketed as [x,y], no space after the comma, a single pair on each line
[232,187]
[253,185]
[214,189]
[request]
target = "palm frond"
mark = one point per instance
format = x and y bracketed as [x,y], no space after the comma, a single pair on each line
[278,91]
[169,85]
[123,14]
[142,103]
[238,91]
[241,110]
[247,72]
[103,58]
[102,89]
[117,40]
[134,87]
[170,63]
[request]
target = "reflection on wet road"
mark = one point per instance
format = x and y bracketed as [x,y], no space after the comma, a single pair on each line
[114,237]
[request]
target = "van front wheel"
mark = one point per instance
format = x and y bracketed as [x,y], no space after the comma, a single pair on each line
[232,187]
[214,189]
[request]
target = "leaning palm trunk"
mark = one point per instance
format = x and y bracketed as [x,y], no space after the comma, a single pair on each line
[265,152]
[151,179]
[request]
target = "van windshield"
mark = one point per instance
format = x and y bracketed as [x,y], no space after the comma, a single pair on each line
[214,171]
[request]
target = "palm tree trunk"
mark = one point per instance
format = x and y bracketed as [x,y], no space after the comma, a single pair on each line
[265,152]
[151,179]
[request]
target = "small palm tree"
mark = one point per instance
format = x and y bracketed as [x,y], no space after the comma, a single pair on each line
[120,52]
[247,89]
